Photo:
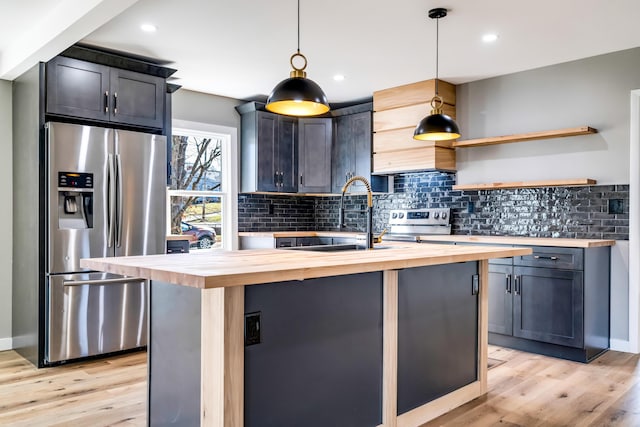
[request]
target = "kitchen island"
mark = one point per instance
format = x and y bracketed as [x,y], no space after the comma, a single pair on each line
[393,336]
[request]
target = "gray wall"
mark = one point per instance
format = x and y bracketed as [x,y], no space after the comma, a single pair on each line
[5,213]
[592,92]
[205,108]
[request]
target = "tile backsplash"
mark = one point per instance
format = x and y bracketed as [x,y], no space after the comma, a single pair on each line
[570,212]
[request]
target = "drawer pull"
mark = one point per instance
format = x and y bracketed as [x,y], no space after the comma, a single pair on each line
[552,258]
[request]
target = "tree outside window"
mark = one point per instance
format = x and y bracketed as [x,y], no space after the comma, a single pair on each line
[196,177]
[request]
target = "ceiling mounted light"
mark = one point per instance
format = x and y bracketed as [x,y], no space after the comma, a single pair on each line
[489,38]
[298,95]
[436,126]
[148,28]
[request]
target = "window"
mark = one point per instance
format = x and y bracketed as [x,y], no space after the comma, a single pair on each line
[202,196]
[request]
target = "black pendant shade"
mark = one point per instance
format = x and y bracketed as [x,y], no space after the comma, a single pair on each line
[436,126]
[297,96]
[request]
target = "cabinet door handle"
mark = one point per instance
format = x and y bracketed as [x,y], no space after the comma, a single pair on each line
[508,286]
[106,101]
[275,179]
[552,258]
[301,179]
[115,102]
[517,286]
[281,179]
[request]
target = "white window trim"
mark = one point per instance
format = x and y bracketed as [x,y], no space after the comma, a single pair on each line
[229,187]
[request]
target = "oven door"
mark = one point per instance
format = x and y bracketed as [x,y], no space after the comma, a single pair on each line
[94,313]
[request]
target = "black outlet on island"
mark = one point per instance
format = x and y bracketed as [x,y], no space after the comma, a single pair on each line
[251,328]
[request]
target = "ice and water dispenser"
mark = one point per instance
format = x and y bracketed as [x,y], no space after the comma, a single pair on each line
[75,200]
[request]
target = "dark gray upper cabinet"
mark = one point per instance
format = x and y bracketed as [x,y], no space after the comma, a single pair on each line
[351,149]
[308,155]
[82,89]
[314,160]
[269,151]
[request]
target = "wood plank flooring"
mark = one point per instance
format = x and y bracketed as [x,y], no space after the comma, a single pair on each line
[533,390]
[106,392]
[524,390]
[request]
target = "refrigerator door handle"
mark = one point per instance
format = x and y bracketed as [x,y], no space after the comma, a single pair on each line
[111,216]
[120,207]
[118,281]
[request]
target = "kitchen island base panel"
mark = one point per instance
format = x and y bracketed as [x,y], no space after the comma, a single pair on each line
[437,310]
[319,360]
[197,371]
[174,354]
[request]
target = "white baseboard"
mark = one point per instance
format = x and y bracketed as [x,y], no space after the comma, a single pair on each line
[6,344]
[620,345]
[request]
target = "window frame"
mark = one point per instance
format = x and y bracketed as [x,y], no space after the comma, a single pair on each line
[229,186]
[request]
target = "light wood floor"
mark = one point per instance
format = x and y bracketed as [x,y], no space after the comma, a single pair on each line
[107,392]
[524,390]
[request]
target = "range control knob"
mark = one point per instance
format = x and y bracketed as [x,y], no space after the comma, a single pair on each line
[401,215]
[436,215]
[444,215]
[394,215]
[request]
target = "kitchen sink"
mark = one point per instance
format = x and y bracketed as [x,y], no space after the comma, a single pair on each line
[335,248]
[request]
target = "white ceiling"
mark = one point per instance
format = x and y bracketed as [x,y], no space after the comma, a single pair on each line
[241,48]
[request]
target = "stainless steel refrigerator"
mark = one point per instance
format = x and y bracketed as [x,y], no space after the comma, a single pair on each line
[105,197]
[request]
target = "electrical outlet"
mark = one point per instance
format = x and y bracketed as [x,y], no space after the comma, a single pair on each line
[271,209]
[470,207]
[616,206]
[252,329]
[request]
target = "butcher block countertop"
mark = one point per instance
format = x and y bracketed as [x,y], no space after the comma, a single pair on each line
[217,269]
[516,240]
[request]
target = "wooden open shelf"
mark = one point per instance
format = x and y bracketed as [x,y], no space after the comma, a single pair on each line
[527,184]
[531,136]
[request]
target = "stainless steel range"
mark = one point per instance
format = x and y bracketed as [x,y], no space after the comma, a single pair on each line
[410,224]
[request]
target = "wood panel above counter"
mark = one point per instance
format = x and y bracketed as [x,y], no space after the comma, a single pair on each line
[397,111]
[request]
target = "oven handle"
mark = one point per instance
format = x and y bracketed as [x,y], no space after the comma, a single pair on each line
[117,281]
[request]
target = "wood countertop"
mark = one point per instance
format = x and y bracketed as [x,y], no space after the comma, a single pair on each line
[217,269]
[495,240]
[516,240]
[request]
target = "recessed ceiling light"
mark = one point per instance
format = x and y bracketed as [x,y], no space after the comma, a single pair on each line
[489,38]
[338,77]
[148,28]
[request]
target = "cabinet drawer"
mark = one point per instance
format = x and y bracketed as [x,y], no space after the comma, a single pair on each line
[285,242]
[551,257]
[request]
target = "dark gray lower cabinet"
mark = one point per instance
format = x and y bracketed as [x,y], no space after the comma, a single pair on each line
[500,299]
[437,332]
[319,360]
[553,302]
[548,305]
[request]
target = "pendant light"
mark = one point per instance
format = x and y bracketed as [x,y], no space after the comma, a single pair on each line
[437,126]
[298,95]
